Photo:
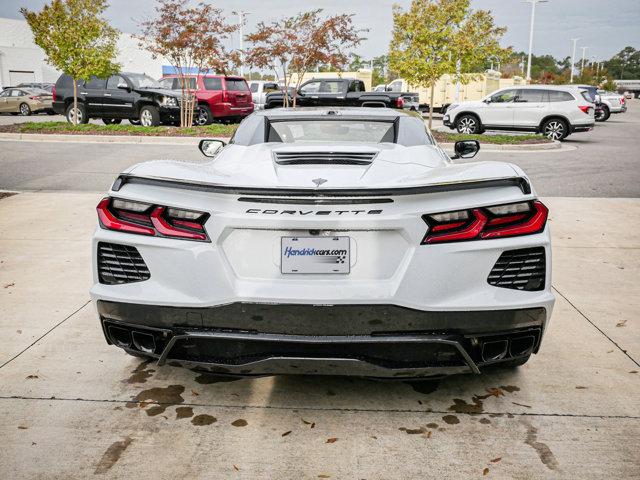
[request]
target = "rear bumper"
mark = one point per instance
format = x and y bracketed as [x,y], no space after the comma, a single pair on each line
[363,340]
[58,107]
[582,128]
[221,110]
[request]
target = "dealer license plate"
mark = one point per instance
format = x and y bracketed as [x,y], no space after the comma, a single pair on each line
[315,255]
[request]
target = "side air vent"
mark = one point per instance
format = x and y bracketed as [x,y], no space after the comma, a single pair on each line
[120,264]
[519,269]
[324,158]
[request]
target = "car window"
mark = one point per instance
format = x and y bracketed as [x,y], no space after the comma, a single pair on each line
[16,93]
[4,93]
[560,96]
[141,80]
[504,96]
[532,95]
[311,87]
[395,86]
[168,83]
[270,87]
[296,131]
[331,86]
[236,85]
[113,81]
[254,87]
[96,84]
[212,83]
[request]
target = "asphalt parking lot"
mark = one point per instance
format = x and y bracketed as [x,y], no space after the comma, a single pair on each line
[72,407]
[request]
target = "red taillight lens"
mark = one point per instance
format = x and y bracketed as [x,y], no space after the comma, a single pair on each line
[585,108]
[400,102]
[524,218]
[147,219]
[53,92]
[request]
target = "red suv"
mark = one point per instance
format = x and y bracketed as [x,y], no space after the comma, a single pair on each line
[221,98]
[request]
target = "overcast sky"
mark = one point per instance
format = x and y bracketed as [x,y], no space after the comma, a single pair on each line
[604,26]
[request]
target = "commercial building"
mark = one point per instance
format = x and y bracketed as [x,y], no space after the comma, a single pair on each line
[21,60]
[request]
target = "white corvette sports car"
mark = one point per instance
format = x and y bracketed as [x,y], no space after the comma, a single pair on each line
[325,241]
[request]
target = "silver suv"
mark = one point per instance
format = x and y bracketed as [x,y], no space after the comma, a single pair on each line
[554,111]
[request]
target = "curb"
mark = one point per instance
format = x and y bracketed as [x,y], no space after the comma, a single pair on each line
[126,139]
[142,140]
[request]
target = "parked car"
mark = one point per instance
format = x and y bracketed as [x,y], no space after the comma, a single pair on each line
[343,92]
[612,102]
[220,98]
[133,96]
[325,241]
[554,111]
[590,92]
[41,86]
[260,89]
[25,101]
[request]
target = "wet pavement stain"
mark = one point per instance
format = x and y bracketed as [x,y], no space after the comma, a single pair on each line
[542,449]
[425,387]
[112,455]
[241,422]
[203,419]
[432,425]
[451,419]
[164,396]
[411,431]
[485,421]
[461,406]
[510,388]
[184,412]
[140,374]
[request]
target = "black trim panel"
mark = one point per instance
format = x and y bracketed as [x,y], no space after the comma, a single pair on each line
[519,182]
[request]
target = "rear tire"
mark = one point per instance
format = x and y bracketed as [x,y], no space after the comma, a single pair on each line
[82,114]
[604,114]
[555,129]
[112,121]
[25,110]
[149,116]
[468,125]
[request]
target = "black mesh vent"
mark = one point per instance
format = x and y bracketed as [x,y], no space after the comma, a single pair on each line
[519,269]
[120,264]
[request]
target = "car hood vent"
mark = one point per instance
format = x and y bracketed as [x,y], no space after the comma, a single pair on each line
[324,158]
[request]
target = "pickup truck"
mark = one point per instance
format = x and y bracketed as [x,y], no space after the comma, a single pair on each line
[343,92]
[259,90]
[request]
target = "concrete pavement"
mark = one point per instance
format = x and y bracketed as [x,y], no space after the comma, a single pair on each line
[72,407]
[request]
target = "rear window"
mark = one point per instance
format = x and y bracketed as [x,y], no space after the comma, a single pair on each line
[532,95]
[339,130]
[236,84]
[559,96]
[212,83]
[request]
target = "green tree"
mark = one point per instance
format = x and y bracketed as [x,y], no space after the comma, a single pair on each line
[76,40]
[435,37]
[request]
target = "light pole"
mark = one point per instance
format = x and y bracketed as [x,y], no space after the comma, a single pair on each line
[584,51]
[241,15]
[573,57]
[533,17]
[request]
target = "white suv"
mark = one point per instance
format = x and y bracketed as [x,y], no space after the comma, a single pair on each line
[551,110]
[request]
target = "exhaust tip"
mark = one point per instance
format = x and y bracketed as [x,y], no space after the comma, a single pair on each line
[494,350]
[121,337]
[144,342]
[520,346]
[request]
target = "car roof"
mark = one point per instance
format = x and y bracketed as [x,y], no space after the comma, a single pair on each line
[333,112]
[547,87]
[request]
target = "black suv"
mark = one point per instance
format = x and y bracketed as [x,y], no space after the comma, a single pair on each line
[133,96]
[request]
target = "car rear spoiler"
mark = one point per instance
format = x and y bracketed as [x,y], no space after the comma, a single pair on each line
[519,182]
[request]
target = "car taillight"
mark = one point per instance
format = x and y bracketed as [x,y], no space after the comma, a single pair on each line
[524,218]
[35,97]
[400,102]
[621,100]
[53,92]
[154,220]
[585,108]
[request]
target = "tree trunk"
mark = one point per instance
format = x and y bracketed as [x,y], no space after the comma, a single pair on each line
[75,102]
[431,104]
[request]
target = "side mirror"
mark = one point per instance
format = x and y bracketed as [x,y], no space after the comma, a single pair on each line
[210,148]
[466,149]
[123,86]
[487,100]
